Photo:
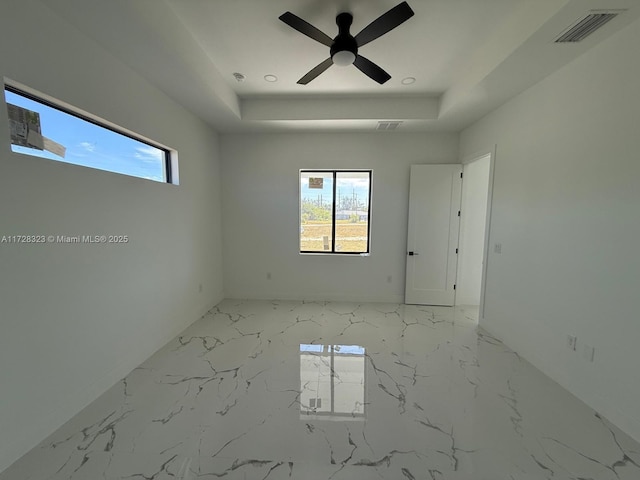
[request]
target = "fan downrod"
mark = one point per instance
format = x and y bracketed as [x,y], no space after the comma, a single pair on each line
[344,48]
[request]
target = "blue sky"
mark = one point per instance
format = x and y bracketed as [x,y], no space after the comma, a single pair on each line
[90,145]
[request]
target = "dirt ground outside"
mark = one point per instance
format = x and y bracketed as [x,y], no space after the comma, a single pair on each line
[350,237]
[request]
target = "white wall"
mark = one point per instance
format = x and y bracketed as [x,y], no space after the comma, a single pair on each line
[260,213]
[76,318]
[475,189]
[566,208]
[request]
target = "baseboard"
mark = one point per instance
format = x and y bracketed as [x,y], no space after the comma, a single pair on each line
[321,297]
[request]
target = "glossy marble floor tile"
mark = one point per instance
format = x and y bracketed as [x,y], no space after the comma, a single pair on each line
[279,390]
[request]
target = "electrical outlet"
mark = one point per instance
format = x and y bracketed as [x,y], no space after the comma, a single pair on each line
[588,352]
[572,342]
[497,248]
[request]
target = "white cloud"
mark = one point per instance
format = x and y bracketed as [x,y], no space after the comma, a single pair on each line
[354,182]
[89,147]
[149,154]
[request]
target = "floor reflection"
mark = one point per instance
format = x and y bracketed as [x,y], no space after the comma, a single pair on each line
[332,381]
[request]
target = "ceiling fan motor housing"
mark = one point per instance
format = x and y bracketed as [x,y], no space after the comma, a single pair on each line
[344,41]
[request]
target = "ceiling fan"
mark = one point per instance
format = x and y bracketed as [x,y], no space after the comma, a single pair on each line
[343,48]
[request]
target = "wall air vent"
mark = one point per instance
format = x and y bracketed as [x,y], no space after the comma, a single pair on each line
[584,27]
[388,125]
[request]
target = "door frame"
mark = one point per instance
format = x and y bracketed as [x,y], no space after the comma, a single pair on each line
[487,227]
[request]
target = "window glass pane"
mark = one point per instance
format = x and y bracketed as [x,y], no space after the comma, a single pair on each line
[348,384]
[348,349]
[315,382]
[352,211]
[316,210]
[58,135]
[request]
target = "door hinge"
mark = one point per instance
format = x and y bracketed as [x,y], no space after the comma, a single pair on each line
[458,212]
[454,286]
[456,251]
[460,174]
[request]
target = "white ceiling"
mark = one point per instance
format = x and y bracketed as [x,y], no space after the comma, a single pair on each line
[433,46]
[468,57]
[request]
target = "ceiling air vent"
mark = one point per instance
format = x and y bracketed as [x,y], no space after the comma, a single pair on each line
[587,25]
[388,125]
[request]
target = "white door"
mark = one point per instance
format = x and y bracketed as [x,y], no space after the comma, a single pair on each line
[434,205]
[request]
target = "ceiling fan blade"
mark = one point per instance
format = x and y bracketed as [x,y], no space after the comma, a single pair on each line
[384,23]
[371,70]
[315,71]
[306,28]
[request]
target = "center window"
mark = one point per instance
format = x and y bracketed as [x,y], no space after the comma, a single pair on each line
[335,211]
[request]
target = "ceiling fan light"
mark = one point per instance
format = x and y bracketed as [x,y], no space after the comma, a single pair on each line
[343,58]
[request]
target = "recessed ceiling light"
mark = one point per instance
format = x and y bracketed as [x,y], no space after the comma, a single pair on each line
[271,78]
[408,80]
[239,77]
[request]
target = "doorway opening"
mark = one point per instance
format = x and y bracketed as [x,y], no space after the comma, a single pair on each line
[474,231]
